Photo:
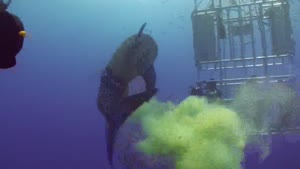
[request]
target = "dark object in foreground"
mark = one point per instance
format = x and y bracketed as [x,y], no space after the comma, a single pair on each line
[10,41]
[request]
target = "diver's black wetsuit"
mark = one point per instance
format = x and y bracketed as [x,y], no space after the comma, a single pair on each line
[4,6]
[116,108]
[10,41]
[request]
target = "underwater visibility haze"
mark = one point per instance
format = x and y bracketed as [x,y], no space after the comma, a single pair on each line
[57,105]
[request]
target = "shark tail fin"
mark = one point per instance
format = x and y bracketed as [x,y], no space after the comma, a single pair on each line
[111,132]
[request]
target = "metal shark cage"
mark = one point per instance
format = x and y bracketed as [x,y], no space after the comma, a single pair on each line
[242,40]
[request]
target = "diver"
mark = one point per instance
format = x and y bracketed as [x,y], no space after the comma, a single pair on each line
[135,57]
[206,89]
[212,93]
[12,36]
[198,89]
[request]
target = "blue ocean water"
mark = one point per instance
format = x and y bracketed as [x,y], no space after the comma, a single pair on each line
[48,113]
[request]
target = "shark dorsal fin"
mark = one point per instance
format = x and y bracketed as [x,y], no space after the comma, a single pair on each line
[141,30]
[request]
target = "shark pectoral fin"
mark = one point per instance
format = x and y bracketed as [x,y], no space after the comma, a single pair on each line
[131,103]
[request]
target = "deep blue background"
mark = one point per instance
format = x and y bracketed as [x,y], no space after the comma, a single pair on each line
[48,113]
